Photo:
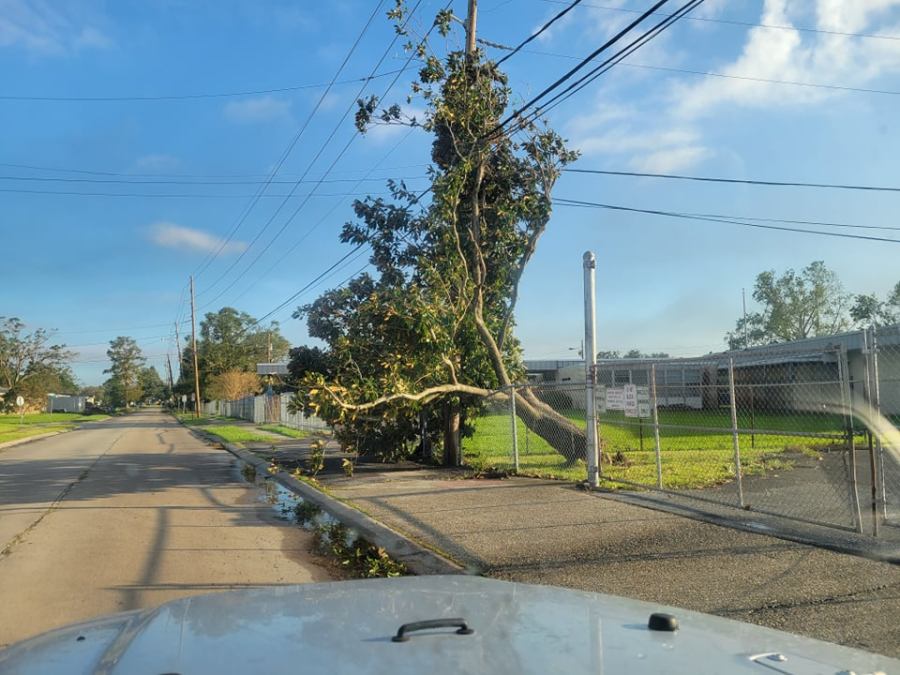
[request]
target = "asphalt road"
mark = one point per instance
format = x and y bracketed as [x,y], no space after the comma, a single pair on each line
[129,513]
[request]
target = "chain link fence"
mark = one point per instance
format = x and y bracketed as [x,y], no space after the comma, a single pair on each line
[784,430]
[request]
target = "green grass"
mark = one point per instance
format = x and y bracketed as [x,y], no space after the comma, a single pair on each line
[690,458]
[285,431]
[232,433]
[12,427]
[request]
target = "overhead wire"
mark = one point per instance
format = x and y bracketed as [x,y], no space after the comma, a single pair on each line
[290,147]
[340,154]
[608,64]
[583,63]
[746,24]
[187,97]
[686,216]
[740,181]
[541,30]
[309,167]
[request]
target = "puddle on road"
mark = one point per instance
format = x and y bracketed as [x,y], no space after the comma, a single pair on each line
[287,506]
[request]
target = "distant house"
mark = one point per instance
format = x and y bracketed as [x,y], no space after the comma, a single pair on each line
[64,403]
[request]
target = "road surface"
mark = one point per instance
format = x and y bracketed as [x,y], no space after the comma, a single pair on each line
[129,513]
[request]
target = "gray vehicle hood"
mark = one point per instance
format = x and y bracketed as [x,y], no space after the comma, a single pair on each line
[346,627]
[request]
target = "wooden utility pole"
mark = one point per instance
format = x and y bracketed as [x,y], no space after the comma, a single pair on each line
[194,350]
[171,381]
[471,20]
[178,347]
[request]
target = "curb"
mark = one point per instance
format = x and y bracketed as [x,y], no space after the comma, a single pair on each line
[29,439]
[418,559]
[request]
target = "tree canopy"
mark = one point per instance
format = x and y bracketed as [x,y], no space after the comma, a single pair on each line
[126,362]
[31,365]
[431,329]
[793,306]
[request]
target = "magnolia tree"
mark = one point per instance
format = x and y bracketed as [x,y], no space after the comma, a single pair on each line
[427,337]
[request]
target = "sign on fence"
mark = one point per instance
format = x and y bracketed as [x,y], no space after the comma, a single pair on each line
[614,398]
[636,400]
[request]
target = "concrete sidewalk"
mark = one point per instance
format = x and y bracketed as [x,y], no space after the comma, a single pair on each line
[553,533]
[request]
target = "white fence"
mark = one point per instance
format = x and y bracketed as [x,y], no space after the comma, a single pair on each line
[265,410]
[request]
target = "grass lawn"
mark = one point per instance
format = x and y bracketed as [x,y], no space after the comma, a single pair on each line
[690,458]
[286,431]
[34,424]
[230,433]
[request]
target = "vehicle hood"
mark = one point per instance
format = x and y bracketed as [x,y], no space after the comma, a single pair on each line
[346,627]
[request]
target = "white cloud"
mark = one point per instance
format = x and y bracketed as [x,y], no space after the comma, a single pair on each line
[260,109]
[663,150]
[170,235]
[797,56]
[671,159]
[49,29]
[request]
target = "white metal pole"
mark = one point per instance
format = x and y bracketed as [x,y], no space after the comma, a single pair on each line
[734,434]
[590,369]
[515,430]
[653,401]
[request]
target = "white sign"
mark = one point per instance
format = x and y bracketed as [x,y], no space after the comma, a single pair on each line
[20,402]
[615,398]
[184,398]
[637,401]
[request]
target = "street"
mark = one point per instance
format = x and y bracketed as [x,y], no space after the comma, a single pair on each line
[129,513]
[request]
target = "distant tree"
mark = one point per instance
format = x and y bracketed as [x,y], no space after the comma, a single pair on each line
[794,306]
[303,360]
[28,356]
[151,385]
[230,340]
[868,310]
[47,379]
[127,360]
[232,384]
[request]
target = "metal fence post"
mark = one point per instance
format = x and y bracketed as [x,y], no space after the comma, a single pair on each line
[734,434]
[515,430]
[653,402]
[846,402]
[873,465]
[876,403]
[590,370]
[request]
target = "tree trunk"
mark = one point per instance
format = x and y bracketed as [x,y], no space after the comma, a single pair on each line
[561,433]
[452,454]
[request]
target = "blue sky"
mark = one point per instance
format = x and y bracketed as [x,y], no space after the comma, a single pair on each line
[97,266]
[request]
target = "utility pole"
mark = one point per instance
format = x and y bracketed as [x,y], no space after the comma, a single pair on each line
[471,20]
[171,381]
[269,345]
[178,347]
[194,350]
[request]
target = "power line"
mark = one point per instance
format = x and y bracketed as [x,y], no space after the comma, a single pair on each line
[708,179]
[309,166]
[187,97]
[610,62]
[144,181]
[559,81]
[325,217]
[536,34]
[748,24]
[746,78]
[340,154]
[176,195]
[123,174]
[287,151]
[686,216]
